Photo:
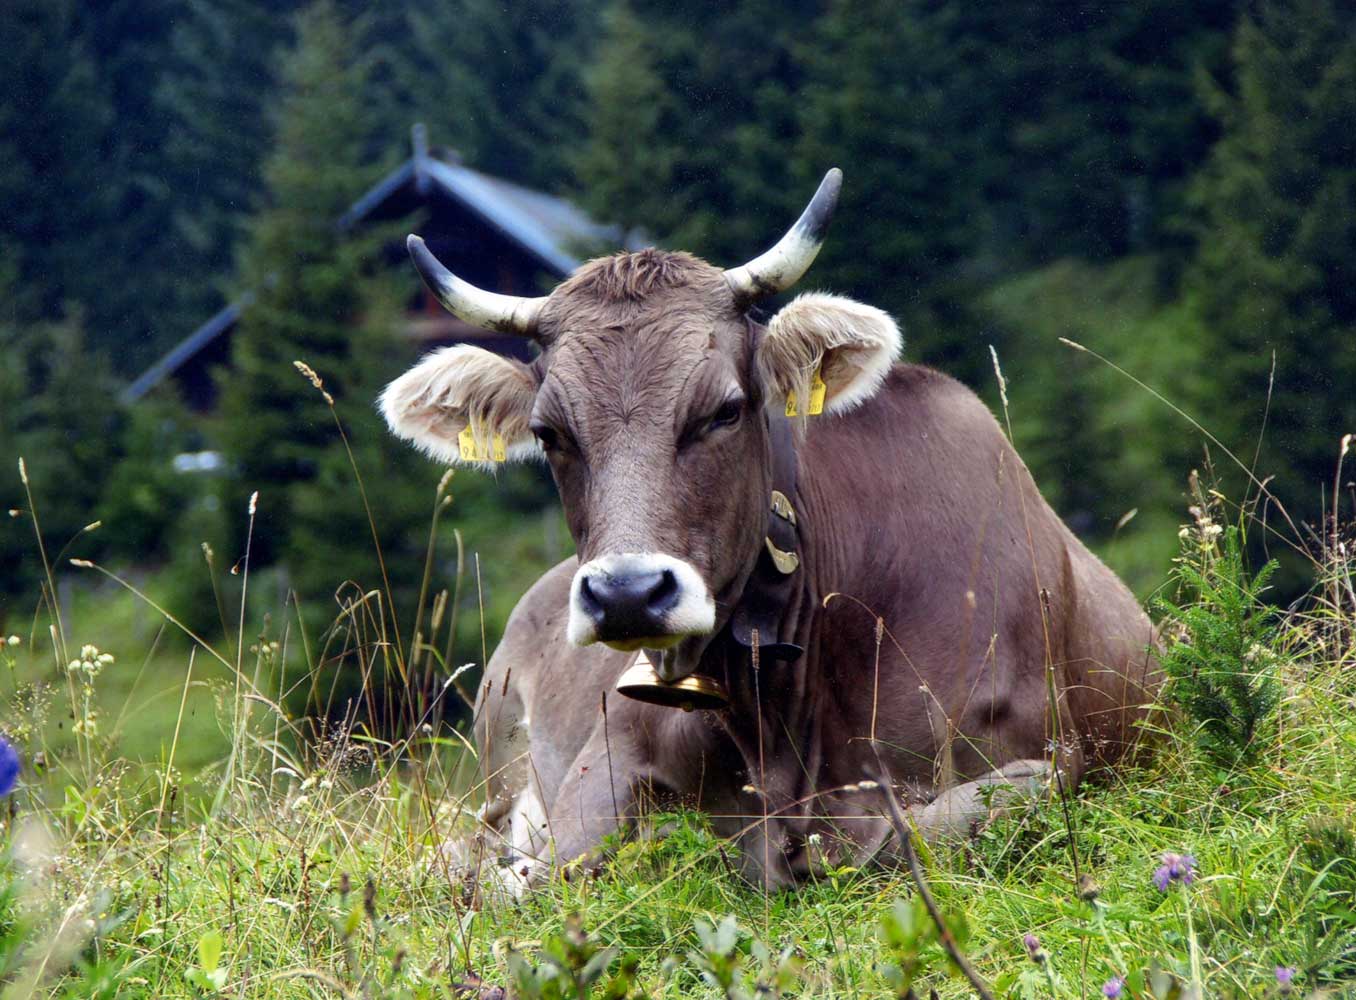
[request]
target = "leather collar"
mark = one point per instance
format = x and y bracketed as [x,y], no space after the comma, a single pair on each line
[758,619]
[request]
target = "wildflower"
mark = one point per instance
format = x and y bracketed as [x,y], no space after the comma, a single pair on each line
[1088,889]
[1175,868]
[9,767]
[1113,988]
[14,640]
[1034,951]
[1284,974]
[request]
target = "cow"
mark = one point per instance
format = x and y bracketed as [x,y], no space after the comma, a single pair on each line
[836,562]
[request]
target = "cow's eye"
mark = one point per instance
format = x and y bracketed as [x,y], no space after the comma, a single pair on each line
[728,414]
[547,437]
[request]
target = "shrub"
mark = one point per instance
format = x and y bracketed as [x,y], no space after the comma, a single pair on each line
[1220,656]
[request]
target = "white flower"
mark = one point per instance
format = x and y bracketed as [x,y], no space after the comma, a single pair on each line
[14,640]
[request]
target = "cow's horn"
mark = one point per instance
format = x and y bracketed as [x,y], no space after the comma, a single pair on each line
[782,266]
[489,310]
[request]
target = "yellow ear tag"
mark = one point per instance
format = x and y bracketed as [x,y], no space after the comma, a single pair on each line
[472,451]
[817,392]
[466,441]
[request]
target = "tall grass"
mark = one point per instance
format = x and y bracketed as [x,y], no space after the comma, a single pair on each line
[306,860]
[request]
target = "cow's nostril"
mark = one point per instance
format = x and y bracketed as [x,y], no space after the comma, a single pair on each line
[664,594]
[589,600]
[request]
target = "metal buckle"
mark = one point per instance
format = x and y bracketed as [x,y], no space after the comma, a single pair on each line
[786,562]
[782,507]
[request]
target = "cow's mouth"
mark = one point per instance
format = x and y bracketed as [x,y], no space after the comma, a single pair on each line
[639,600]
[659,642]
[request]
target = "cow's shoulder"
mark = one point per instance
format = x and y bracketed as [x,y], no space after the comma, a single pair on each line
[544,601]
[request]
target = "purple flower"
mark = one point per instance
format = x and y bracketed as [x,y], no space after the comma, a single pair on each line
[9,767]
[1113,988]
[1034,951]
[1175,868]
[1284,974]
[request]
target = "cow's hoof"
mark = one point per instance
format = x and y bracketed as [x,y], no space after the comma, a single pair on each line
[954,813]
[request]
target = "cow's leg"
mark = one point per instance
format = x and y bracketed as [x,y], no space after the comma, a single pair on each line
[600,794]
[954,813]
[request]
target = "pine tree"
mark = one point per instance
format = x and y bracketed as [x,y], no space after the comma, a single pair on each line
[218,79]
[890,92]
[58,412]
[499,83]
[623,168]
[57,195]
[314,285]
[1277,239]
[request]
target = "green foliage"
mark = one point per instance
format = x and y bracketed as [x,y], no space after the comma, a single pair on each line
[56,130]
[213,90]
[1221,657]
[182,875]
[911,940]
[572,967]
[58,414]
[501,84]
[1276,210]
[624,167]
[320,302]
[738,971]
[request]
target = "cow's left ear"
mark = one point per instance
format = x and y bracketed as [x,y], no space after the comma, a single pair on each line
[851,345]
[464,405]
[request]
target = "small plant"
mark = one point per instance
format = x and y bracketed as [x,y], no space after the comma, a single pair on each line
[913,944]
[572,967]
[724,964]
[1220,657]
[209,975]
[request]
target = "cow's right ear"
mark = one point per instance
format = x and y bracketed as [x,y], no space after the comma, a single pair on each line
[435,402]
[849,345]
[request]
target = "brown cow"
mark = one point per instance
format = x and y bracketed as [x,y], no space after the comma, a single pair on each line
[909,593]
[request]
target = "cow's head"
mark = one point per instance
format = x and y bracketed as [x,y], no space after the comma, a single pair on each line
[647,401]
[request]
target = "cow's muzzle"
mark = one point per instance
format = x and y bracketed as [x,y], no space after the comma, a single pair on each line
[638,600]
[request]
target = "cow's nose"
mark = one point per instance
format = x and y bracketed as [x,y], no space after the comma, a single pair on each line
[630,605]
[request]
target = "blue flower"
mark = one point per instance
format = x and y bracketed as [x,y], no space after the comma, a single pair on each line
[1175,868]
[1284,974]
[9,767]
[1113,988]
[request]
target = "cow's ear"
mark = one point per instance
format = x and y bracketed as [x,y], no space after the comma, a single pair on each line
[849,344]
[435,402]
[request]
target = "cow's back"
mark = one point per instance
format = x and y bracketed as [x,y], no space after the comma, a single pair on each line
[922,512]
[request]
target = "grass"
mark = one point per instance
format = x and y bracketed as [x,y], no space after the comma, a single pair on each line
[236,851]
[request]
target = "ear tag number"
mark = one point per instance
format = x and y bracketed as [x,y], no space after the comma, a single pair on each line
[817,392]
[473,451]
[466,441]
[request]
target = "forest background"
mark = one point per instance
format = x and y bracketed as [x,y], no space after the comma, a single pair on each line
[1172,185]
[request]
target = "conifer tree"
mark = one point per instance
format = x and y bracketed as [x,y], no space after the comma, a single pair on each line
[317,300]
[57,196]
[623,167]
[1277,240]
[218,79]
[499,83]
[58,412]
